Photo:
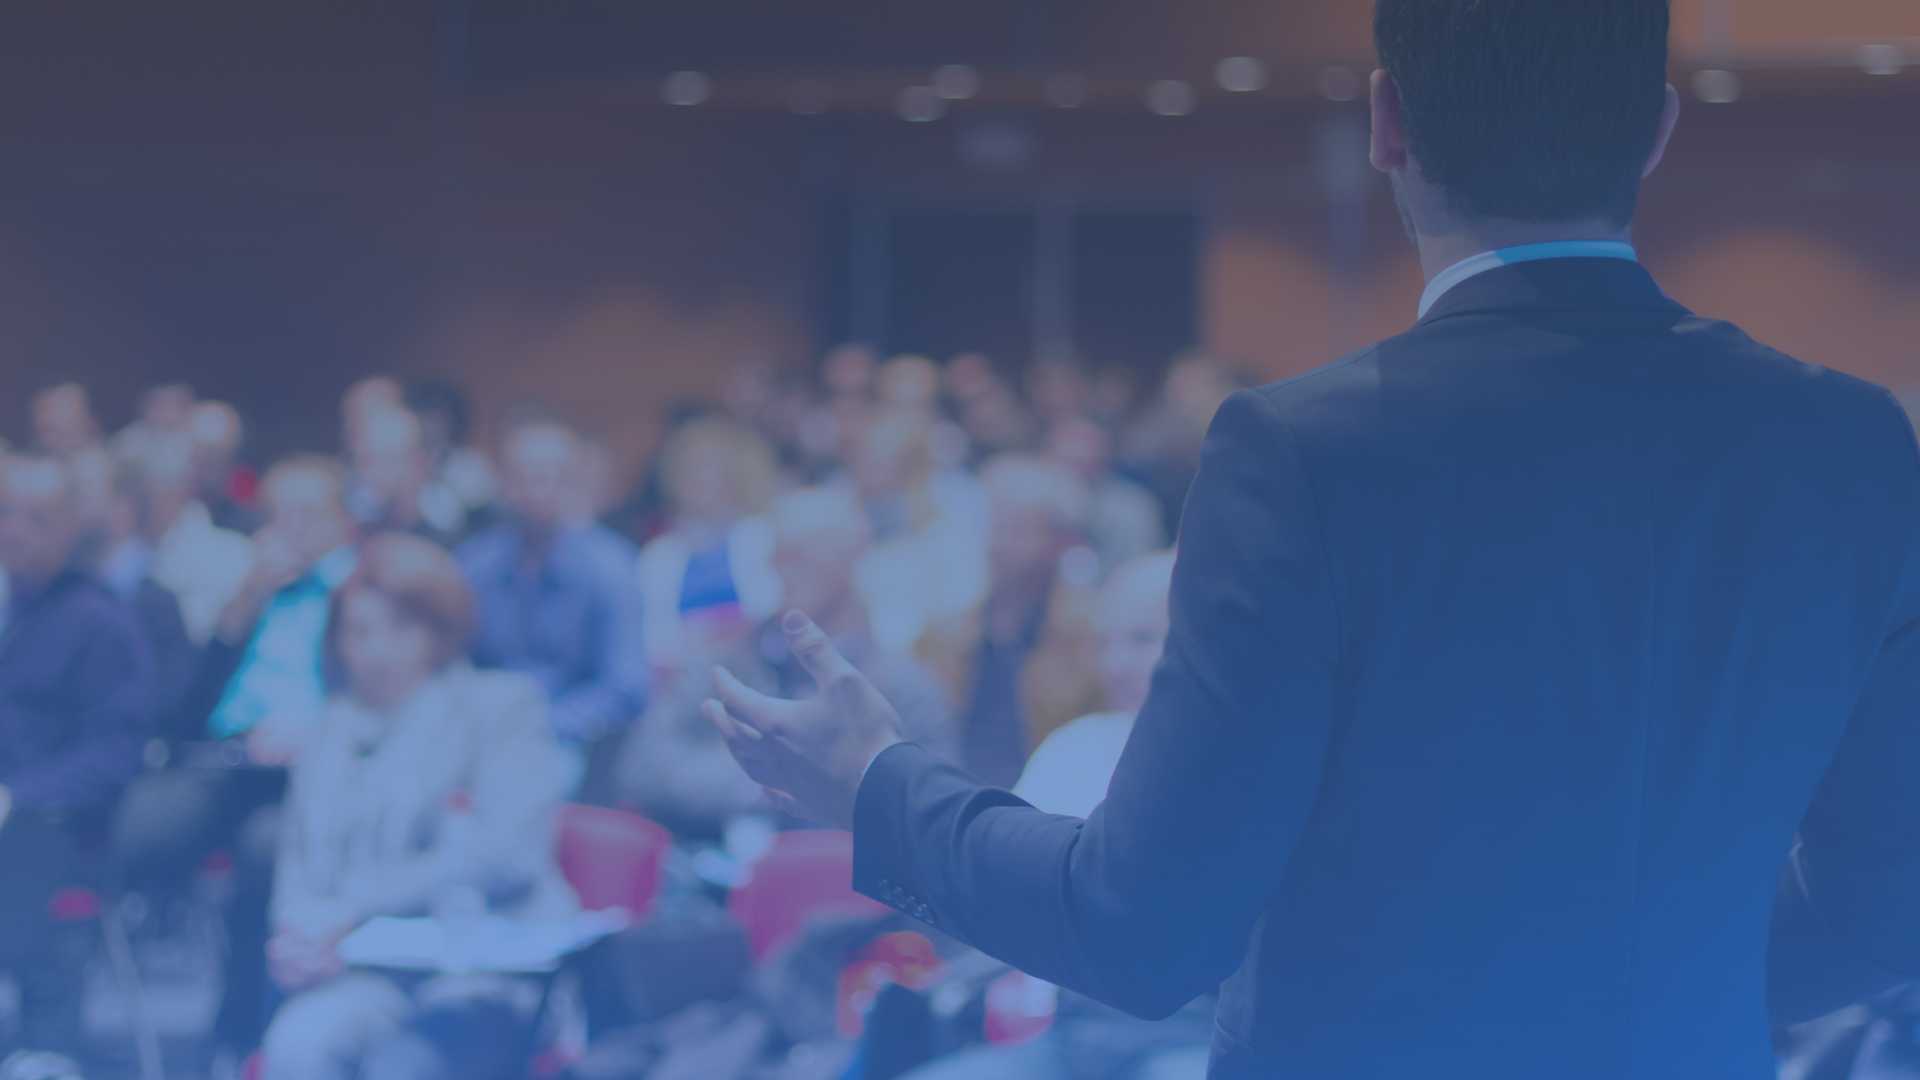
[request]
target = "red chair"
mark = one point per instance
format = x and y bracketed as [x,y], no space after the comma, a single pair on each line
[611,858]
[804,875]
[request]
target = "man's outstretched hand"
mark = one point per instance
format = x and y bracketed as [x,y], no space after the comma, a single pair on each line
[811,754]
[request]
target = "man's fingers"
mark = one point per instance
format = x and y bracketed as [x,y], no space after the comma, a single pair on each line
[785,803]
[732,730]
[746,706]
[814,650]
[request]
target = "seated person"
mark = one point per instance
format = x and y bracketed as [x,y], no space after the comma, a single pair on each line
[256,689]
[428,789]
[1068,775]
[392,486]
[202,564]
[76,679]
[675,768]
[1036,515]
[556,595]
[707,579]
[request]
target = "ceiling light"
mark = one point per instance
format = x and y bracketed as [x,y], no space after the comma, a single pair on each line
[1171,97]
[1716,86]
[686,88]
[955,82]
[1240,74]
[919,104]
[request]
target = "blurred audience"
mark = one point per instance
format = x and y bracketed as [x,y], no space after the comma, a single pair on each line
[64,423]
[76,686]
[166,411]
[201,563]
[429,790]
[1035,514]
[674,766]
[116,549]
[227,487]
[1163,448]
[76,675]
[462,487]
[392,486]
[708,578]
[1123,518]
[265,656]
[385,728]
[557,594]
[928,562]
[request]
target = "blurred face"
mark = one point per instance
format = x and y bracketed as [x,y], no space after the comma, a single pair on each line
[910,382]
[1059,390]
[749,392]
[1080,445]
[815,563]
[1133,633]
[541,478]
[969,375]
[304,512]
[363,400]
[703,489]
[390,457]
[63,421]
[886,460]
[39,520]
[384,655]
[848,371]
[167,408]
[1025,540]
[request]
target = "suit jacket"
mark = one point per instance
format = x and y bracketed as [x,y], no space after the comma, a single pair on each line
[1508,658]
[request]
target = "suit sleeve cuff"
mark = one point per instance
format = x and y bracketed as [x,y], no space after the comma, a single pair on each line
[882,856]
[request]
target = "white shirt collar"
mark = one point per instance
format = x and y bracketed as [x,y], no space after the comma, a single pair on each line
[1473,267]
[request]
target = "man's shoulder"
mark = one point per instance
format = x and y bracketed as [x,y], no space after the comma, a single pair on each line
[1358,379]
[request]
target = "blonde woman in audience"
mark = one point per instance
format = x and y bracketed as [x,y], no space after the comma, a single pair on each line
[709,577]
[1068,773]
[429,789]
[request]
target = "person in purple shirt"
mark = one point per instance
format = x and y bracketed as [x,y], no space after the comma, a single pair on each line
[557,594]
[76,679]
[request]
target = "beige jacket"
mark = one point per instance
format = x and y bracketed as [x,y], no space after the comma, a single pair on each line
[448,802]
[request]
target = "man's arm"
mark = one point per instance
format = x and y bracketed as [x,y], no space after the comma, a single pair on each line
[1150,902]
[1844,925]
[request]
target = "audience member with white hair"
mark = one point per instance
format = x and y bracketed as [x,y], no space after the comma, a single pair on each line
[675,767]
[1035,516]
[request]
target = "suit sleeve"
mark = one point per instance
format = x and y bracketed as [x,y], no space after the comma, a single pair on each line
[1150,902]
[1845,925]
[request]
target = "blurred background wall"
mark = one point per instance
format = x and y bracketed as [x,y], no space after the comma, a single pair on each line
[270,200]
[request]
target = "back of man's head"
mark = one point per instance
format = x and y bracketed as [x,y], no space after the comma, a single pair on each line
[1529,110]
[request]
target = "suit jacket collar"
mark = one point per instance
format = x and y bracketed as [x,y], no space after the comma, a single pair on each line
[1557,285]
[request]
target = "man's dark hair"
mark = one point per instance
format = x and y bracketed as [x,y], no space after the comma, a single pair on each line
[1529,110]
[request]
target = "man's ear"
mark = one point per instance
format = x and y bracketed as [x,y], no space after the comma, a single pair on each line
[1669,119]
[1388,147]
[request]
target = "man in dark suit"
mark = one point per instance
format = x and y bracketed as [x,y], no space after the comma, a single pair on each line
[1511,658]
